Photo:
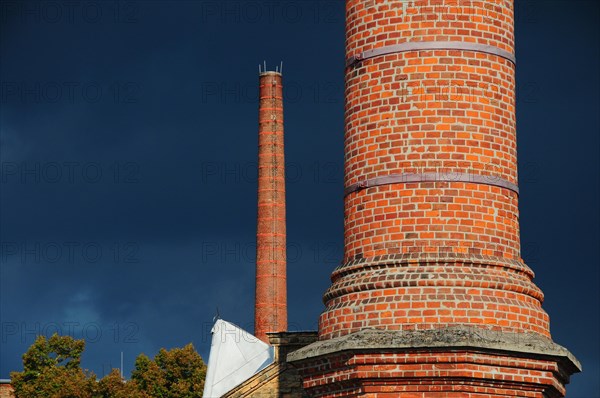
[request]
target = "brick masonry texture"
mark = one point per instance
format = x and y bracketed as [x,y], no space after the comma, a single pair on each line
[271,298]
[462,373]
[460,361]
[6,391]
[427,262]
[280,379]
[443,112]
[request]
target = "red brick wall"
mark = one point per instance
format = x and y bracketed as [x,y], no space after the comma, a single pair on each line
[6,391]
[463,373]
[271,299]
[429,254]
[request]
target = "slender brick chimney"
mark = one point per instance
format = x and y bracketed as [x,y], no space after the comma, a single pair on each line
[432,298]
[270,311]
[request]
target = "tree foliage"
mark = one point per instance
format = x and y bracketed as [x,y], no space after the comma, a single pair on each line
[113,386]
[52,369]
[178,373]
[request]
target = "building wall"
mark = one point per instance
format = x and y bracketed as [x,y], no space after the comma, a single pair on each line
[275,381]
[280,379]
[6,390]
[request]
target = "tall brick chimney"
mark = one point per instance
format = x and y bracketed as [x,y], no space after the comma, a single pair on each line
[270,311]
[432,298]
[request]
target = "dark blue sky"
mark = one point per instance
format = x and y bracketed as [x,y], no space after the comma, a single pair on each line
[128,135]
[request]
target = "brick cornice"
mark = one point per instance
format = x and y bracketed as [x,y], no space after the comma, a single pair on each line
[419,258]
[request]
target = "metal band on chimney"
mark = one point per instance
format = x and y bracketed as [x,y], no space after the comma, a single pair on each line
[431,45]
[407,178]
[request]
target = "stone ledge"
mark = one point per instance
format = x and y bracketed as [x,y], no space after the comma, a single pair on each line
[292,339]
[453,337]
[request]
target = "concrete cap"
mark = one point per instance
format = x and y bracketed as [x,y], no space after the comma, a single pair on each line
[461,336]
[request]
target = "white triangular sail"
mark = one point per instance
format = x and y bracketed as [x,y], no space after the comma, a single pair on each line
[235,356]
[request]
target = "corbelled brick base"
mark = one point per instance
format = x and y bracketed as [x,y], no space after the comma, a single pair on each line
[450,362]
